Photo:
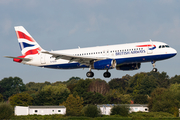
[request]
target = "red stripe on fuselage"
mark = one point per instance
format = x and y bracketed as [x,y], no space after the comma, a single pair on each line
[149,45]
[21,35]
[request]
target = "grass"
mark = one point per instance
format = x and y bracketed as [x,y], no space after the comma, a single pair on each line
[132,116]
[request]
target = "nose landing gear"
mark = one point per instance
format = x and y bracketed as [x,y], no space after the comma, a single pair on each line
[154,69]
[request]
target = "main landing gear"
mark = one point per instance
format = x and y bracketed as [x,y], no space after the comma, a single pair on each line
[107,74]
[154,69]
[91,74]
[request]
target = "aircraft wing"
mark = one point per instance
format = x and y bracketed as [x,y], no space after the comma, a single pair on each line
[25,59]
[86,60]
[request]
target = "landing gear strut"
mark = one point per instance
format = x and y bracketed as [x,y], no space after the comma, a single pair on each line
[154,69]
[107,74]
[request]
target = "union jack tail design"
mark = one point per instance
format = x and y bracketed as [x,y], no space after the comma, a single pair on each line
[27,44]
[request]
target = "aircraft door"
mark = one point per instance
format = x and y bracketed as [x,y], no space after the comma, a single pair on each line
[149,51]
[43,58]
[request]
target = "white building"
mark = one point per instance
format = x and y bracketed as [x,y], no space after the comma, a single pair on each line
[106,108]
[39,110]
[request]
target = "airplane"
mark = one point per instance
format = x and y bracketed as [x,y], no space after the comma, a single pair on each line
[122,56]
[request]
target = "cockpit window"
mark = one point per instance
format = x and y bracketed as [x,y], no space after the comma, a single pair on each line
[164,46]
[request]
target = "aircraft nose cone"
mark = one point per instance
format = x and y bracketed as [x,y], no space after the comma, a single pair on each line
[174,51]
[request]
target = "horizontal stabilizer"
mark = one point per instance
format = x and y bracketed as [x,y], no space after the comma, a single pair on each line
[25,59]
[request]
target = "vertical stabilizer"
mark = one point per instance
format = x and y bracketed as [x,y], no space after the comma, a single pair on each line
[27,44]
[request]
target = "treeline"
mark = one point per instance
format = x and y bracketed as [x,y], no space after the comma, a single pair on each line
[158,90]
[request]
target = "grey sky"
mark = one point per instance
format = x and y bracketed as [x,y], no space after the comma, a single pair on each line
[66,24]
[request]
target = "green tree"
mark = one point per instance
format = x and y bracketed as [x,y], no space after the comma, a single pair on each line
[32,86]
[175,79]
[94,98]
[11,86]
[72,80]
[163,100]
[21,99]
[82,86]
[6,110]
[91,111]
[115,97]
[141,99]
[120,110]
[59,88]
[148,84]
[1,98]
[163,80]
[71,87]
[52,95]
[120,83]
[73,105]
[135,83]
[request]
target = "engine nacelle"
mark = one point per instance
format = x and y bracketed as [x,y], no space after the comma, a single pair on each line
[104,64]
[134,66]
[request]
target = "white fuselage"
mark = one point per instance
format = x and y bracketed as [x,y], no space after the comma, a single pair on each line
[129,53]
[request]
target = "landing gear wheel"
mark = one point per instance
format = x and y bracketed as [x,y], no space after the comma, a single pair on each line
[154,70]
[90,74]
[107,74]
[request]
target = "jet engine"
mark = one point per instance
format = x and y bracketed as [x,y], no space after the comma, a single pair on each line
[104,64]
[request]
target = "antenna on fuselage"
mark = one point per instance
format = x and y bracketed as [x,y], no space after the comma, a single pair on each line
[151,41]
